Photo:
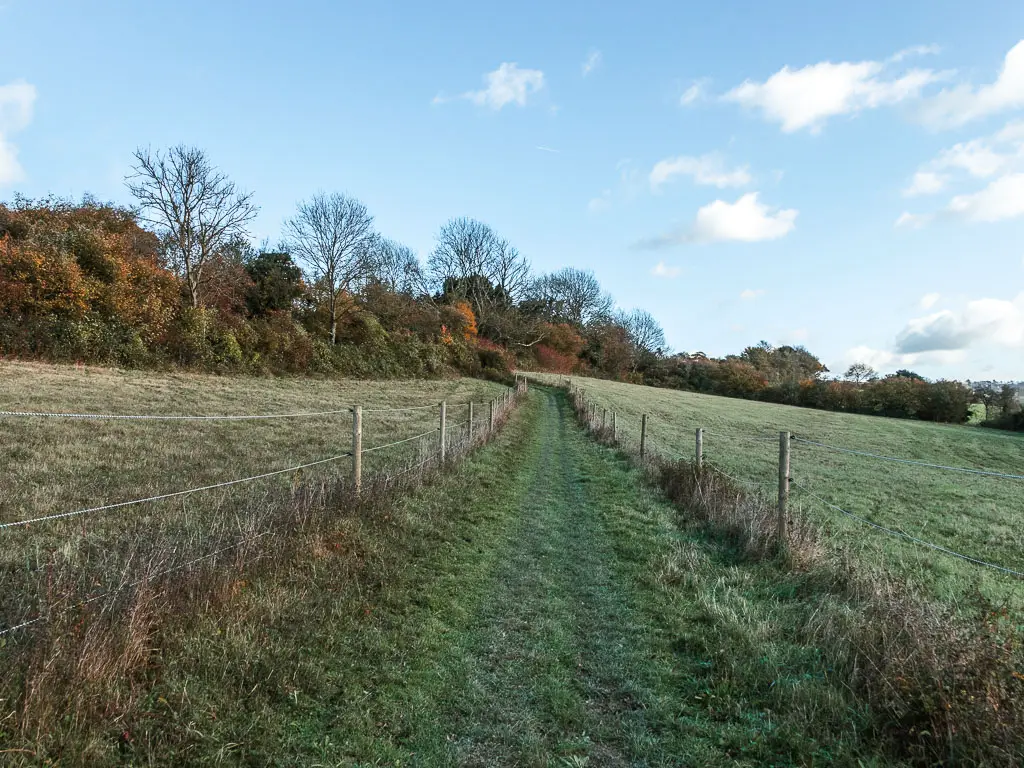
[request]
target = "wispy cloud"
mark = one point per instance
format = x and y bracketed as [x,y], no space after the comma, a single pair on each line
[907,220]
[661,269]
[508,84]
[602,203]
[592,62]
[963,103]
[707,169]
[542,148]
[806,98]
[694,93]
[752,293]
[915,50]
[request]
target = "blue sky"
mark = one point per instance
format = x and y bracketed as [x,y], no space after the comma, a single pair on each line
[845,176]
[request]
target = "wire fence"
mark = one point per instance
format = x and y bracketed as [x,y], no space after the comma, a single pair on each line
[647,452]
[438,438]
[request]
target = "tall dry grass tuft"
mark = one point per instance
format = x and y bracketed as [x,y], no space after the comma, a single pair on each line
[943,686]
[104,595]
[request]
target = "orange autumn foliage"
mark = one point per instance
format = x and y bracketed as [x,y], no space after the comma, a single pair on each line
[64,260]
[467,319]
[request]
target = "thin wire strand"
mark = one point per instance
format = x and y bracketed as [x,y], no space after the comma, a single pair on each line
[964,470]
[173,494]
[748,438]
[240,417]
[137,582]
[407,470]
[907,536]
[144,417]
[399,442]
[757,486]
[397,410]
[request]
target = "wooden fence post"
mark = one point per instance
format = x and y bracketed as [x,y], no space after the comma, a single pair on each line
[783,488]
[444,427]
[471,421]
[700,447]
[613,426]
[491,422]
[643,436]
[604,419]
[357,448]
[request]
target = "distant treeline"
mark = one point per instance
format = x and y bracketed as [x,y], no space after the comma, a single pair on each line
[793,376]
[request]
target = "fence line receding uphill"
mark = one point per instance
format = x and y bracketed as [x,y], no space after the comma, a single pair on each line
[588,412]
[478,430]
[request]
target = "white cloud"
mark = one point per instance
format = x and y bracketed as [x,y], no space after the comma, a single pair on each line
[1001,199]
[751,293]
[963,103]
[542,148]
[693,93]
[977,157]
[707,169]
[663,270]
[808,97]
[929,299]
[591,63]
[907,220]
[984,321]
[17,101]
[508,84]
[925,183]
[746,221]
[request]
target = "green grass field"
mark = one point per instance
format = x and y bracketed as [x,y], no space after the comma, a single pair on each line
[979,516]
[52,465]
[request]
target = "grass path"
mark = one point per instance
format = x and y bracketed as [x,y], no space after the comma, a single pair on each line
[554,658]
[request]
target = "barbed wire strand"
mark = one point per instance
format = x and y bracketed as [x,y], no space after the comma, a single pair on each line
[173,494]
[907,536]
[964,470]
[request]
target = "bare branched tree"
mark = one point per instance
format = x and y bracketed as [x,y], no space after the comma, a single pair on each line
[645,333]
[465,248]
[394,266]
[195,208]
[470,261]
[331,235]
[574,296]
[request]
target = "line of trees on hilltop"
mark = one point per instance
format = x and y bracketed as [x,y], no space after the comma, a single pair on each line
[793,376]
[177,281]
